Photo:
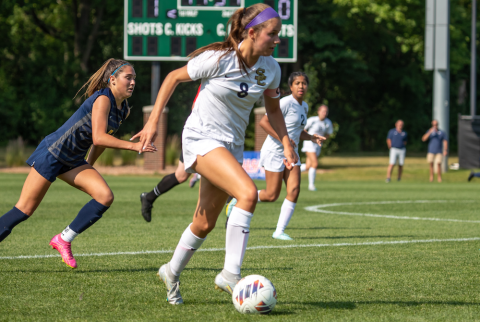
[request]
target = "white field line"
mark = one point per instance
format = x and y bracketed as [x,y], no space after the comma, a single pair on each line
[317,209]
[143,252]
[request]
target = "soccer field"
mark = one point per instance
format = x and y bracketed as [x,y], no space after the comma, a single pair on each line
[363,251]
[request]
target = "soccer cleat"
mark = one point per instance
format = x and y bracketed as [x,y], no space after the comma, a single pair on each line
[230,206]
[312,188]
[470,177]
[65,250]
[194,180]
[222,284]
[146,207]
[173,287]
[281,236]
[387,180]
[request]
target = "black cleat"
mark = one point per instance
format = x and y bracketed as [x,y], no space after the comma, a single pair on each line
[470,177]
[146,207]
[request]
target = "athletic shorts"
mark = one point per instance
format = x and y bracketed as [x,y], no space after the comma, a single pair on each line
[181,156]
[194,144]
[309,146]
[273,161]
[47,165]
[434,158]
[397,153]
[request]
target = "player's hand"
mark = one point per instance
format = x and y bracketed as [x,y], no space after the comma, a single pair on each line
[147,136]
[318,139]
[291,157]
[139,147]
[293,143]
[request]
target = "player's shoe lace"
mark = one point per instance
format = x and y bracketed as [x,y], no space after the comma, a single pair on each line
[146,207]
[173,287]
[65,250]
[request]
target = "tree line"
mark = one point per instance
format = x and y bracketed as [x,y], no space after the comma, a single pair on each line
[364,58]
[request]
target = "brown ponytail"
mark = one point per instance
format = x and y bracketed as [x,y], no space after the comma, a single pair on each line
[238,21]
[99,80]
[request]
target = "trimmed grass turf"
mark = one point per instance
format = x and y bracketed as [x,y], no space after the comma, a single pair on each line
[410,282]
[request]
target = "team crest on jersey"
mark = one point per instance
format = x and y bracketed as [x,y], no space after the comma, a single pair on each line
[261,77]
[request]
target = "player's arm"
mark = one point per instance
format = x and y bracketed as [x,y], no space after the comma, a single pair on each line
[149,132]
[95,152]
[427,135]
[275,117]
[389,143]
[445,147]
[100,111]
[315,138]
[265,124]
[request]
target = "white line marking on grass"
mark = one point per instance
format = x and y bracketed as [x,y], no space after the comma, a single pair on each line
[317,209]
[143,252]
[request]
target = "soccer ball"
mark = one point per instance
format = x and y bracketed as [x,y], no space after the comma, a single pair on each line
[254,294]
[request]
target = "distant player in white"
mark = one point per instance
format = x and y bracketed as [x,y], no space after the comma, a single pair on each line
[235,74]
[322,126]
[295,112]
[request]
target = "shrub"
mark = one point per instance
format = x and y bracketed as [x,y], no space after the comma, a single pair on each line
[172,150]
[128,157]
[15,154]
[106,158]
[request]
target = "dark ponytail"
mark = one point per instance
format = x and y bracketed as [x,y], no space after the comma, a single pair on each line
[100,79]
[238,21]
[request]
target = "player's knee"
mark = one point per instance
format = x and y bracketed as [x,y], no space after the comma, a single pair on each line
[249,196]
[271,197]
[181,177]
[293,192]
[104,196]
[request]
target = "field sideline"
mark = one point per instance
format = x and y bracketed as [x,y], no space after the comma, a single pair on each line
[359,260]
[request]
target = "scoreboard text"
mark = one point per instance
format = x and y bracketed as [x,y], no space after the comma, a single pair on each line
[169,30]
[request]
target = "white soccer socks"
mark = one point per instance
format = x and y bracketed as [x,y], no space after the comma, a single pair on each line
[286,213]
[237,239]
[186,247]
[258,196]
[68,234]
[312,172]
[303,167]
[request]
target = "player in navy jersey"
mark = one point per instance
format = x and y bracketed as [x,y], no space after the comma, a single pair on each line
[235,73]
[295,111]
[62,154]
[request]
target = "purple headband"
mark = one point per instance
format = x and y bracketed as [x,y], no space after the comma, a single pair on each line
[263,16]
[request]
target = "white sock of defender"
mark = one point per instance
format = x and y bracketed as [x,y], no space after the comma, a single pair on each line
[303,167]
[312,172]
[259,196]
[237,239]
[286,213]
[68,234]
[186,247]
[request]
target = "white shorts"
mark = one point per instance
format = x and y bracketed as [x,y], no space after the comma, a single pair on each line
[397,153]
[309,146]
[273,161]
[194,144]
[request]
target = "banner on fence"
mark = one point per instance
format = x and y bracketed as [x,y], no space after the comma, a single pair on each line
[251,164]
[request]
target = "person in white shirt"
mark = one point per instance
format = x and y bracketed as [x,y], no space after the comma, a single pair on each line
[295,112]
[234,74]
[322,126]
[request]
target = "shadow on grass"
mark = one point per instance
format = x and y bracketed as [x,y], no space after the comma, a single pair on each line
[308,228]
[353,305]
[347,237]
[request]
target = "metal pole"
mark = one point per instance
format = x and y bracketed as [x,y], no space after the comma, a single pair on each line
[473,61]
[155,81]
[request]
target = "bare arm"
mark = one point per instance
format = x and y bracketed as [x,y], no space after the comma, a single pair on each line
[276,120]
[389,143]
[95,152]
[100,111]
[427,135]
[445,147]
[149,132]
[265,124]
[315,138]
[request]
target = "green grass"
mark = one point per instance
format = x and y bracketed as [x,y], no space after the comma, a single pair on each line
[390,282]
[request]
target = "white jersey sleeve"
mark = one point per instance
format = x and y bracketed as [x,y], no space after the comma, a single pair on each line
[310,122]
[205,65]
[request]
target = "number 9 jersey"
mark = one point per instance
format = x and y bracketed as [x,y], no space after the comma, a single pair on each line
[228,94]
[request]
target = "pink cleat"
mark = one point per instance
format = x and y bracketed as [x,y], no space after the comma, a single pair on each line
[64,248]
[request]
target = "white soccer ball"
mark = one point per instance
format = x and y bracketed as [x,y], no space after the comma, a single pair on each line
[254,294]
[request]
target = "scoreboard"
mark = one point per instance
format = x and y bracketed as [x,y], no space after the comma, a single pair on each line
[169,30]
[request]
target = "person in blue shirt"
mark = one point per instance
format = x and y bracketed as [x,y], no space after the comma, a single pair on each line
[62,155]
[396,141]
[437,149]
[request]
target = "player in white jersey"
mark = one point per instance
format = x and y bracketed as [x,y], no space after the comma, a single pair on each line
[234,73]
[322,126]
[295,111]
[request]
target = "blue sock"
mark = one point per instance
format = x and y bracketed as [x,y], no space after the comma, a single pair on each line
[87,216]
[10,220]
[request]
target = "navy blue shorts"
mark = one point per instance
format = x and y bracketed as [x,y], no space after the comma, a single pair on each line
[46,164]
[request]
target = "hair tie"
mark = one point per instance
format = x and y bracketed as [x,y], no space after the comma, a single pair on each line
[108,81]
